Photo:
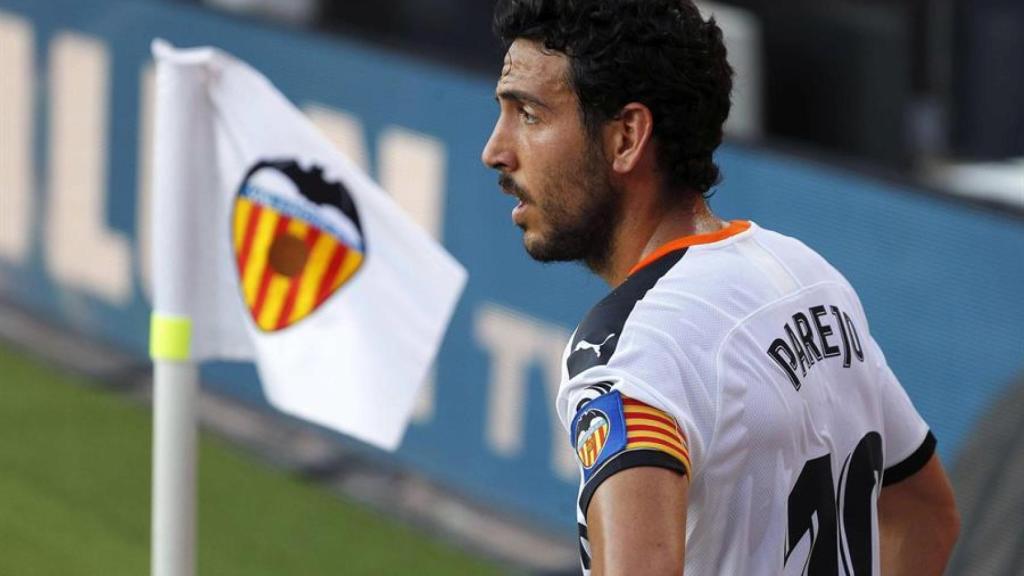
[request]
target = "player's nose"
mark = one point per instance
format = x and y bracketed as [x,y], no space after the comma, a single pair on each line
[498,153]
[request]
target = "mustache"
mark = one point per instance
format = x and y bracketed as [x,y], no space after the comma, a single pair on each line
[509,186]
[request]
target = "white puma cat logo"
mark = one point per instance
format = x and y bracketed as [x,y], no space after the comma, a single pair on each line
[584,345]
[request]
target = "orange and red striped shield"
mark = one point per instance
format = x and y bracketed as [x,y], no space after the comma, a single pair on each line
[287,264]
[592,438]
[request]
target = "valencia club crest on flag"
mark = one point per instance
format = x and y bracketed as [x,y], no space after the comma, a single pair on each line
[297,239]
[592,433]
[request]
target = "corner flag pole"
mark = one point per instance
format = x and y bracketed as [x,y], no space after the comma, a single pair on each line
[175,395]
[175,377]
[174,458]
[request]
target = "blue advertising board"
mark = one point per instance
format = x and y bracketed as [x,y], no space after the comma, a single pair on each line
[940,280]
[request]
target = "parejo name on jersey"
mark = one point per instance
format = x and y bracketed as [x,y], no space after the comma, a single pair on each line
[811,338]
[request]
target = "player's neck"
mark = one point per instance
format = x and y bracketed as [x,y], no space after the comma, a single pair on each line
[641,232]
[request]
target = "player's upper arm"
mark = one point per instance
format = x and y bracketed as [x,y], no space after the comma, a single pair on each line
[918,521]
[635,463]
[925,492]
[637,523]
[917,515]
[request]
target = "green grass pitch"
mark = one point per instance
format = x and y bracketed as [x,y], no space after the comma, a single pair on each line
[75,498]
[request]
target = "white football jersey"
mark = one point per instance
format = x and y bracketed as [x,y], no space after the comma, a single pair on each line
[744,360]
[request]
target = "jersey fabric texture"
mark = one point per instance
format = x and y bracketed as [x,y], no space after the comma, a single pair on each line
[789,419]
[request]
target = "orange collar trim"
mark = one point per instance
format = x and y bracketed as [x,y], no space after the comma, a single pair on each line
[734,228]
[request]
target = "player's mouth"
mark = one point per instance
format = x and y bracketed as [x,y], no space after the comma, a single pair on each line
[509,186]
[518,213]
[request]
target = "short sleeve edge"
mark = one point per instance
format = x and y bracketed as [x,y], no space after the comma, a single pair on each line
[911,464]
[624,461]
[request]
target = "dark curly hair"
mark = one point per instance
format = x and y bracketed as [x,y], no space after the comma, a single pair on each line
[660,53]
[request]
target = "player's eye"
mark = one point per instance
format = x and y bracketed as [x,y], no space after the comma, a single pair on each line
[527,117]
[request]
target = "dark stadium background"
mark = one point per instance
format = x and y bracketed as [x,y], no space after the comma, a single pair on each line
[887,134]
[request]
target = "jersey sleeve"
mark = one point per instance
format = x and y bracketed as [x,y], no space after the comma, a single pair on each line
[613,432]
[646,406]
[908,443]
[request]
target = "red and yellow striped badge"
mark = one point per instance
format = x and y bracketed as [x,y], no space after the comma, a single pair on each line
[651,429]
[592,437]
[289,259]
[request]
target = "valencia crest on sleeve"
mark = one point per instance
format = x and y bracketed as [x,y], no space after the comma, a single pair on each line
[612,433]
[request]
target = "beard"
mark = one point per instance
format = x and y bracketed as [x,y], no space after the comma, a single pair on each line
[581,207]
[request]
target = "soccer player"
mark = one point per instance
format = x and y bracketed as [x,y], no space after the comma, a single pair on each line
[731,411]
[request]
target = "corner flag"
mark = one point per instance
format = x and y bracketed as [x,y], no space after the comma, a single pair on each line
[271,246]
[276,248]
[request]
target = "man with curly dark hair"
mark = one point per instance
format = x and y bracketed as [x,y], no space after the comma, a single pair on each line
[729,408]
[677,116]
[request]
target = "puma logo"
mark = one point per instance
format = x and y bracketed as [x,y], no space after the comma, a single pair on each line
[584,345]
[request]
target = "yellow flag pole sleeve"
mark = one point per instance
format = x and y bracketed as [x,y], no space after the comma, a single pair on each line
[170,337]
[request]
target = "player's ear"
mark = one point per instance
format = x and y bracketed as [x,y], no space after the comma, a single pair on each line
[627,136]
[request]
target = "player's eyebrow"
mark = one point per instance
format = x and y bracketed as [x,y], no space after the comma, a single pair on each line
[521,97]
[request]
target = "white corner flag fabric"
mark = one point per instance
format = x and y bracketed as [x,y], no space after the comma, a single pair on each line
[272,246]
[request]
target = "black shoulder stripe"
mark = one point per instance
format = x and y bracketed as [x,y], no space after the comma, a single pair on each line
[911,464]
[625,461]
[599,332]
